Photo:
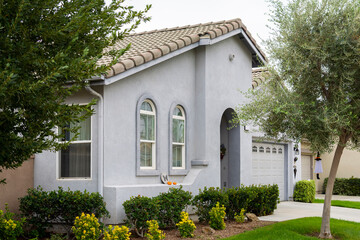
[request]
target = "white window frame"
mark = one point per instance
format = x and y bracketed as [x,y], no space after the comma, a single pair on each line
[183,163]
[153,142]
[58,155]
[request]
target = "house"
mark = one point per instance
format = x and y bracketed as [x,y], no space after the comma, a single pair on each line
[163,112]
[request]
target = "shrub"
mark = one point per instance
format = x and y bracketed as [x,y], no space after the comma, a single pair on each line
[10,229]
[86,227]
[186,226]
[118,233]
[45,208]
[171,204]
[239,198]
[206,200]
[263,199]
[345,186]
[154,233]
[240,218]
[138,210]
[217,215]
[304,191]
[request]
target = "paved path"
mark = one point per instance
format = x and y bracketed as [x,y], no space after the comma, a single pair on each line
[292,210]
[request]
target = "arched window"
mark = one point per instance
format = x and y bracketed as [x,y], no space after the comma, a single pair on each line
[274,150]
[280,150]
[254,148]
[267,150]
[147,135]
[178,138]
[261,149]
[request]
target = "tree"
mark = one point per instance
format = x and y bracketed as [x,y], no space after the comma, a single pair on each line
[48,48]
[312,89]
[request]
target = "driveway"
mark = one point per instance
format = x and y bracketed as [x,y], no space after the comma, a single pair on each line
[291,210]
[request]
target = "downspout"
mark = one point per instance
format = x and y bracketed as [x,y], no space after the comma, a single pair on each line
[100,139]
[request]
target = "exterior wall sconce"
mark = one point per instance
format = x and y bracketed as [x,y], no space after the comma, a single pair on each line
[246,128]
[295,170]
[296,149]
[231,57]
[295,159]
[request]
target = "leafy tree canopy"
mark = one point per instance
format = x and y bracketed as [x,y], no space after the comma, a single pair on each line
[47,49]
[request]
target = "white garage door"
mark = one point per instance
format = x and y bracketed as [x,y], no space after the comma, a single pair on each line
[305,167]
[268,165]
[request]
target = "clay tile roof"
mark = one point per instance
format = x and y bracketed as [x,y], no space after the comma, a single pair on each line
[258,76]
[147,46]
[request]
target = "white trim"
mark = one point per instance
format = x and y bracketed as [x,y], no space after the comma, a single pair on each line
[183,157]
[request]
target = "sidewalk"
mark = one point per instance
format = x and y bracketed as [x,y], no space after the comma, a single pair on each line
[293,210]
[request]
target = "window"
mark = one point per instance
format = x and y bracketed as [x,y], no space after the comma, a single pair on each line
[274,150]
[280,150]
[261,149]
[267,150]
[147,135]
[178,138]
[75,160]
[254,149]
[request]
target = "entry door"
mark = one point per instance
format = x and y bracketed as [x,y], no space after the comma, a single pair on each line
[306,167]
[268,165]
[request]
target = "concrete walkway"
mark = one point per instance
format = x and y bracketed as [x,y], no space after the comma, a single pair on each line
[340,197]
[291,210]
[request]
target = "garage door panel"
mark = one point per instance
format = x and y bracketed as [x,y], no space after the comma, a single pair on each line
[269,165]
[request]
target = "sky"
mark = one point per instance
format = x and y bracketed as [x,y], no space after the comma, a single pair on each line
[173,13]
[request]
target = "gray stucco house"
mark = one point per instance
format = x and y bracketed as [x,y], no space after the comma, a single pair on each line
[163,110]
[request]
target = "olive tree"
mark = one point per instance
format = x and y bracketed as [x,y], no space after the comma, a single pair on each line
[48,48]
[312,88]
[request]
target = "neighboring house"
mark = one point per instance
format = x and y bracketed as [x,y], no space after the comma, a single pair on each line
[349,165]
[17,182]
[164,109]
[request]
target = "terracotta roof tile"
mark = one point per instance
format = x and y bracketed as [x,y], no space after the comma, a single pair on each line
[147,46]
[258,76]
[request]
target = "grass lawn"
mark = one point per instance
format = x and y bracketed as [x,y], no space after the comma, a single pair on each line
[303,228]
[339,203]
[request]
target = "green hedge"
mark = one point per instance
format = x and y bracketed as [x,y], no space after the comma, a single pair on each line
[345,186]
[260,200]
[42,208]
[304,191]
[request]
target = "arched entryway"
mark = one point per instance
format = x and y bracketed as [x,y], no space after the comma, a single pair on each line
[230,161]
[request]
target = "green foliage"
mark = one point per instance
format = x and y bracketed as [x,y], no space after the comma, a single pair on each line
[186,226]
[217,215]
[240,218]
[345,186]
[138,211]
[10,229]
[153,232]
[44,208]
[118,233]
[305,191]
[171,204]
[48,48]
[239,198]
[86,227]
[264,199]
[206,200]
[57,237]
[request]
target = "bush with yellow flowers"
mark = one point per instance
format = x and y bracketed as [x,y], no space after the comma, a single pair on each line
[186,226]
[118,233]
[10,229]
[240,218]
[217,215]
[153,231]
[86,227]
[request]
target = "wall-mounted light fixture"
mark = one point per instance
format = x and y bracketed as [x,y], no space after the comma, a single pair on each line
[231,57]
[296,149]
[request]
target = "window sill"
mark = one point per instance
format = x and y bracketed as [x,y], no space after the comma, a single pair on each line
[74,179]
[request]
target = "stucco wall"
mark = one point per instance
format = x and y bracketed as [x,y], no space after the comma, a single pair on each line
[17,182]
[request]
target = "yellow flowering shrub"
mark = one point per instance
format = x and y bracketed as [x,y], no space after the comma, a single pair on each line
[86,227]
[153,232]
[186,226]
[217,215]
[118,233]
[240,218]
[10,229]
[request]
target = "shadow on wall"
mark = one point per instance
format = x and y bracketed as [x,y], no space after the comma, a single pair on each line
[17,182]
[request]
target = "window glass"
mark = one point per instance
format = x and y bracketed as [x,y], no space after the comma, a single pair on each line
[177,155]
[261,149]
[274,150]
[146,154]
[280,150]
[254,149]
[178,138]
[178,130]
[267,150]
[147,126]
[147,134]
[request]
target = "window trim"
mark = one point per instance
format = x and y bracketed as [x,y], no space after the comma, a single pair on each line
[154,170]
[175,170]
[58,154]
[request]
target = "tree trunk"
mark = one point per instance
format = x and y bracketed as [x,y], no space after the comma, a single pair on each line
[325,224]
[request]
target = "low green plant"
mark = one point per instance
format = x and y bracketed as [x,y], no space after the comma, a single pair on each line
[153,232]
[263,199]
[217,215]
[86,227]
[171,204]
[239,198]
[345,186]
[138,211]
[206,200]
[10,229]
[118,233]
[186,226]
[304,191]
[57,237]
[240,218]
[42,208]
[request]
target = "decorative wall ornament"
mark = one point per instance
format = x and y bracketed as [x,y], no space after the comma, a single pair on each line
[222,151]
[318,166]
